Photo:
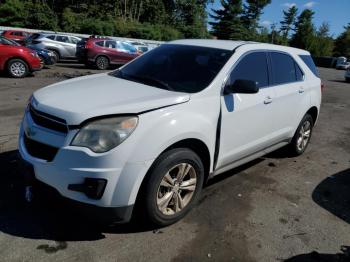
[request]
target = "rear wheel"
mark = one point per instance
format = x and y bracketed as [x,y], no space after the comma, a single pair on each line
[302,136]
[173,187]
[102,62]
[347,79]
[17,68]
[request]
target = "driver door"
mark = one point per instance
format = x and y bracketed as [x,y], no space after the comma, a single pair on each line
[247,122]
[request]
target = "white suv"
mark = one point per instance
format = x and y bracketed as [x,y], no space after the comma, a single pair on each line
[153,131]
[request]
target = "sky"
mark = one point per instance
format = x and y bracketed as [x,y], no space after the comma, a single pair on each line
[335,12]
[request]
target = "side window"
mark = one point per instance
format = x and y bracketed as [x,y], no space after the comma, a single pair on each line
[110,44]
[62,38]
[52,37]
[74,40]
[252,67]
[100,43]
[298,72]
[310,63]
[128,47]
[283,68]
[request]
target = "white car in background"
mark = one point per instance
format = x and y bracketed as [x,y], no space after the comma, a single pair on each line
[155,130]
[342,63]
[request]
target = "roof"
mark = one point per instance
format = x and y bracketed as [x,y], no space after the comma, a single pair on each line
[222,44]
[231,45]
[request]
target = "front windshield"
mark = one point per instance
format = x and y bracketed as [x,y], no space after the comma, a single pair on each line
[180,68]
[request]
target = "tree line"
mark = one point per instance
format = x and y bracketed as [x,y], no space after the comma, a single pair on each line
[173,19]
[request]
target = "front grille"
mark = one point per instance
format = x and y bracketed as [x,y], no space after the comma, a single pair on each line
[48,121]
[40,150]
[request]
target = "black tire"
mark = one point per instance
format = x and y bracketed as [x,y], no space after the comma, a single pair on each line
[347,80]
[56,57]
[22,71]
[295,147]
[102,62]
[166,162]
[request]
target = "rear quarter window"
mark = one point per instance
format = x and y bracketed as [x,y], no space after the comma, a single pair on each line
[310,63]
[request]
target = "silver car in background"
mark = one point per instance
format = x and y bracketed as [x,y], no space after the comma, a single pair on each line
[63,46]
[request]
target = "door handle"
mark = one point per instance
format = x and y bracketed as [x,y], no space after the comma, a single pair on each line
[301,90]
[268,100]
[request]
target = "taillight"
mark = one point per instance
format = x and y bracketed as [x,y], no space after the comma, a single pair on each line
[88,44]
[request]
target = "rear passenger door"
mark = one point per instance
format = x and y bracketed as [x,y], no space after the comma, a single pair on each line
[247,121]
[291,101]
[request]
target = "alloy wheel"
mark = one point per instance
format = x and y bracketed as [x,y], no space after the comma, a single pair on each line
[176,189]
[102,63]
[18,69]
[304,136]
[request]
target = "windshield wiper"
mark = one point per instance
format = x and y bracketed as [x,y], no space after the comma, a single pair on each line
[145,80]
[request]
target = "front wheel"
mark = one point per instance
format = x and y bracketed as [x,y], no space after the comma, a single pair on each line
[302,136]
[173,187]
[17,68]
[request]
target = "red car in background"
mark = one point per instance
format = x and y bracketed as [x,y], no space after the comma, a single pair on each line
[18,61]
[103,52]
[16,35]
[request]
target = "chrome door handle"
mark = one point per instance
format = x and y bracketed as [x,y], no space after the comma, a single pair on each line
[301,90]
[268,100]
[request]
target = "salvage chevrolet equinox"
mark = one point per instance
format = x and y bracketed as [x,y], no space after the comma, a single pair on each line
[155,130]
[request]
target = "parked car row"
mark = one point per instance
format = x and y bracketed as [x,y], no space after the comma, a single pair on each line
[97,51]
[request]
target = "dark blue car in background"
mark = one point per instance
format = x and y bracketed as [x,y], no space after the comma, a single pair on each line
[46,56]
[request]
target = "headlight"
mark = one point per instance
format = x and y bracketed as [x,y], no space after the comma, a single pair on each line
[103,135]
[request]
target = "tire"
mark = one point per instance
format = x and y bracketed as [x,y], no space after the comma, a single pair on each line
[17,68]
[56,57]
[347,79]
[161,203]
[102,62]
[302,136]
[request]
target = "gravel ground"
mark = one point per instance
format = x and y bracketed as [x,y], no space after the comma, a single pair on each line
[273,209]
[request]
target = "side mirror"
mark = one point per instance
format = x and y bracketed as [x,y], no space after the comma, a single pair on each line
[242,86]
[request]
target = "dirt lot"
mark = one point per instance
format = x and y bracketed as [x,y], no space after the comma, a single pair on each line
[273,209]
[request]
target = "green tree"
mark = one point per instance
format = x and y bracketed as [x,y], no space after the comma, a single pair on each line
[228,23]
[191,18]
[13,13]
[289,19]
[324,43]
[40,16]
[342,43]
[253,9]
[304,36]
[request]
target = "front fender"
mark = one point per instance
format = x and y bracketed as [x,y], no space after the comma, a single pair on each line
[160,130]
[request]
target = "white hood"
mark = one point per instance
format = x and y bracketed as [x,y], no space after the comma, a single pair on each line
[85,97]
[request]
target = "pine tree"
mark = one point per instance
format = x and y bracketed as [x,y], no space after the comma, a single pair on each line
[228,24]
[304,31]
[289,18]
[342,43]
[251,14]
